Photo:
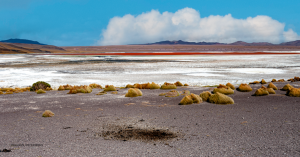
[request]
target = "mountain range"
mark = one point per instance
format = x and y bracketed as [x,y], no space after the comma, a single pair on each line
[21,41]
[241,43]
[177,42]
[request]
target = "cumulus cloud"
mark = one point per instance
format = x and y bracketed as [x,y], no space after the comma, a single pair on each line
[186,24]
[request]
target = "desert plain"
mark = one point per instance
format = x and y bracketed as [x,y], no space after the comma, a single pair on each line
[148,125]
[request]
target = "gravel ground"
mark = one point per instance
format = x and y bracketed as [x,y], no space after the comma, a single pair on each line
[253,126]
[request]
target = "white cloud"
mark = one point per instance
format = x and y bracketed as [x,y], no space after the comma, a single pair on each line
[186,24]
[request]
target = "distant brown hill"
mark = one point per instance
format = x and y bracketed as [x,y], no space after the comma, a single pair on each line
[17,48]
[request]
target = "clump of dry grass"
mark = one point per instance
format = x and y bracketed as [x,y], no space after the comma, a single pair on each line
[255,82]
[110,88]
[48,113]
[185,84]
[48,89]
[271,85]
[133,92]
[287,87]
[196,98]
[140,86]
[294,79]
[205,95]
[271,91]
[146,86]
[80,89]
[230,86]
[178,83]
[40,91]
[168,86]
[263,81]
[273,80]
[281,80]
[220,98]
[187,100]
[101,93]
[162,94]
[244,88]
[61,88]
[39,85]
[129,86]
[172,93]
[1,93]
[223,91]
[186,92]
[9,92]
[222,86]
[261,91]
[153,86]
[94,85]
[7,89]
[294,92]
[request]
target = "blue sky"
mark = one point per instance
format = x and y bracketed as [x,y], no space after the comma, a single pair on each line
[97,22]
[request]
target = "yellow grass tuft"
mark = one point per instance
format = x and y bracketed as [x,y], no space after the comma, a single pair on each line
[220,98]
[129,86]
[287,87]
[80,89]
[271,85]
[94,85]
[273,80]
[48,113]
[186,84]
[263,81]
[110,88]
[168,86]
[178,83]
[255,82]
[196,98]
[61,88]
[48,89]
[40,91]
[133,92]
[186,92]
[172,93]
[244,88]
[271,91]
[230,86]
[115,92]
[153,86]
[295,92]
[223,91]
[187,100]
[1,93]
[205,95]
[9,92]
[261,91]
[162,94]
[101,93]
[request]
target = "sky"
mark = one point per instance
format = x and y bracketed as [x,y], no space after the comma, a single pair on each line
[119,22]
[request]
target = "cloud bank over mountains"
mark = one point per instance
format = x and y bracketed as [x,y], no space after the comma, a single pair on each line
[187,25]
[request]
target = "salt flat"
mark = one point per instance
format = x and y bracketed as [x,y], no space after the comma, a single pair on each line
[24,70]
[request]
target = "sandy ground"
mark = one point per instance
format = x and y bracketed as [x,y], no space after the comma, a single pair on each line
[253,126]
[24,70]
